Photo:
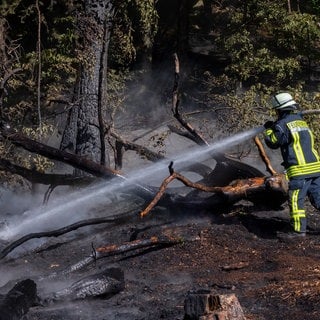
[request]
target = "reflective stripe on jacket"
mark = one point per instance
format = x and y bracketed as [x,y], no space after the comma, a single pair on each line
[293,136]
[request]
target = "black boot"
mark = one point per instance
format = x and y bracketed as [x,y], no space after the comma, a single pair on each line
[291,236]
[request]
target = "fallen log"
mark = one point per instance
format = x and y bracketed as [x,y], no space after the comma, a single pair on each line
[44,178]
[252,189]
[104,284]
[106,251]
[74,160]
[18,300]
[111,250]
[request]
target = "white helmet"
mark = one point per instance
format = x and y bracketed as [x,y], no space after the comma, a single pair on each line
[283,101]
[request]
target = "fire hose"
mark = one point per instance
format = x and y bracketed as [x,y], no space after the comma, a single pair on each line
[260,129]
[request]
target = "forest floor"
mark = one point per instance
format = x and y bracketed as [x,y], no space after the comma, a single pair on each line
[236,251]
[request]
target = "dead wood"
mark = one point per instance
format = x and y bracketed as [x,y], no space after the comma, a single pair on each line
[122,144]
[195,136]
[249,189]
[141,150]
[264,156]
[113,249]
[109,250]
[204,304]
[239,169]
[44,178]
[104,284]
[74,160]
[18,300]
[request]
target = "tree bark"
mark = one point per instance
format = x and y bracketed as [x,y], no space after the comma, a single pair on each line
[208,305]
[84,132]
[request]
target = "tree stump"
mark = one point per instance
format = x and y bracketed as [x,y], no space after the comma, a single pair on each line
[207,305]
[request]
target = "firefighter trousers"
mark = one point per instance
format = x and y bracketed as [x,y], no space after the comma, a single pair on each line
[299,189]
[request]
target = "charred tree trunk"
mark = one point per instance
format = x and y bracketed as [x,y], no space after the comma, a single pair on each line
[105,284]
[84,132]
[18,300]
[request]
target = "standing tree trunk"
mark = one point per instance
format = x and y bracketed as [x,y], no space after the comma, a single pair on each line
[84,132]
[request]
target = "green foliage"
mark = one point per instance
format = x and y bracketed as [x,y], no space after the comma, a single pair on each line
[116,88]
[316,6]
[265,42]
[236,109]
[121,48]
[58,63]
[299,35]
[35,161]
[146,19]
[8,7]
[134,29]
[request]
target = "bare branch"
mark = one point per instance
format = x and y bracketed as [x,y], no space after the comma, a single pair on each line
[235,191]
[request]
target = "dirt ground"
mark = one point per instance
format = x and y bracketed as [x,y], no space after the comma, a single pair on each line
[235,251]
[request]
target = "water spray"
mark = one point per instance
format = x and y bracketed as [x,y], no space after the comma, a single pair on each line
[38,218]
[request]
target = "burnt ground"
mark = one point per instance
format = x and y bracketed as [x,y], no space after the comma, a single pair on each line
[235,251]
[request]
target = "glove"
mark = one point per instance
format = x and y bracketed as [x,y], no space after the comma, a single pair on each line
[269,124]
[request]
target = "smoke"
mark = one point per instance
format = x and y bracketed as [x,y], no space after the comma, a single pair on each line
[75,206]
[146,100]
[12,203]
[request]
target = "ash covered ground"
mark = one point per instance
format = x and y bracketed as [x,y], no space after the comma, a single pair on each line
[235,252]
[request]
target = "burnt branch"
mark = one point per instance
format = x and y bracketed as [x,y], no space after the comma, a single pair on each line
[239,189]
[43,178]
[195,136]
[141,150]
[192,134]
[74,160]
[56,233]
[111,250]
[264,156]
[17,302]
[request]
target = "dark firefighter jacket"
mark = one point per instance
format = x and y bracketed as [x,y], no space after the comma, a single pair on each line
[293,136]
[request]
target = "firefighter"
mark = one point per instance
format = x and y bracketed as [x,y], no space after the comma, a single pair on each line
[301,161]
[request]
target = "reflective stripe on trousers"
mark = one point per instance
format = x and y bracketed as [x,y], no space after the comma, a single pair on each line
[297,211]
